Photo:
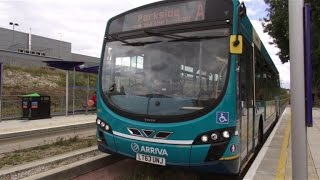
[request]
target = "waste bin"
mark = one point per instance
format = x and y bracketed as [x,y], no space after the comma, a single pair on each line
[35,106]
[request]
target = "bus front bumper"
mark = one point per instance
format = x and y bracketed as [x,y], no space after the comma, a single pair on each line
[190,156]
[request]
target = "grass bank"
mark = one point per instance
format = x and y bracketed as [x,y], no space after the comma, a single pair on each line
[59,147]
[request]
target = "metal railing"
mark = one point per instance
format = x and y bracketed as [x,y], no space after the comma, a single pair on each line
[316,103]
[12,106]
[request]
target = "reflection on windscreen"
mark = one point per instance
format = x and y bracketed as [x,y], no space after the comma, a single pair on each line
[168,77]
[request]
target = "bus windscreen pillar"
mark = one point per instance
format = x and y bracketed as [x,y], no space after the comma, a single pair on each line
[308,63]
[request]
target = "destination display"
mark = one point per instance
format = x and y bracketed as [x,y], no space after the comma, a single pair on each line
[172,13]
[182,12]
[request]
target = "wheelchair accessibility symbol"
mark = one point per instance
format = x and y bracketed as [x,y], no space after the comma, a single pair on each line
[222,117]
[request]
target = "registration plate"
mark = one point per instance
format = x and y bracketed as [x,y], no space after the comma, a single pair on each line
[151,159]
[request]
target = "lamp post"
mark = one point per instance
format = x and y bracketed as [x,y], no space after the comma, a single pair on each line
[60,45]
[13,24]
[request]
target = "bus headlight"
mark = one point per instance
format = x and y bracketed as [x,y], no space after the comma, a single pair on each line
[214,136]
[236,133]
[226,134]
[204,138]
[107,127]
[103,125]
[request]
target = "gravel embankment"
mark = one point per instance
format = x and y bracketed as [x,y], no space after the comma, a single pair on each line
[23,173]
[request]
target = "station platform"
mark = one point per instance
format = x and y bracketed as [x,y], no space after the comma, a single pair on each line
[274,160]
[16,126]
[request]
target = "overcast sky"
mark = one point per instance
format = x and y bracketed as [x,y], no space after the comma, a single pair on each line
[83,22]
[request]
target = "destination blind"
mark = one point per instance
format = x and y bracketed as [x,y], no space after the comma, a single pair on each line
[182,12]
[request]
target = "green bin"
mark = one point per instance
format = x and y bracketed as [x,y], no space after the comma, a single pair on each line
[35,106]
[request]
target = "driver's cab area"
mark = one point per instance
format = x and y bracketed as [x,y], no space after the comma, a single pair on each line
[186,71]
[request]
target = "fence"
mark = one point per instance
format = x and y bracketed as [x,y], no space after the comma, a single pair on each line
[12,107]
[284,101]
[80,86]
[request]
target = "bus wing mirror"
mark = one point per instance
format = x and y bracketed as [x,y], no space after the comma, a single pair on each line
[236,44]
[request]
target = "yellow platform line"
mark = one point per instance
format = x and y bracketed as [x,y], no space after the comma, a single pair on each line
[283,154]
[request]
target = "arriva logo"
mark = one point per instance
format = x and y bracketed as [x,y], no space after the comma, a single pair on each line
[147,149]
[135,147]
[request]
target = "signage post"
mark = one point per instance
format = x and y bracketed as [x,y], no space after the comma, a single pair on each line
[308,63]
[297,86]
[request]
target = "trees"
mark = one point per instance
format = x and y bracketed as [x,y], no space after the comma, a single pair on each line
[276,24]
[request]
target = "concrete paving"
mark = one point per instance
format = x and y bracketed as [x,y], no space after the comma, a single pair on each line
[22,134]
[13,126]
[313,140]
[274,160]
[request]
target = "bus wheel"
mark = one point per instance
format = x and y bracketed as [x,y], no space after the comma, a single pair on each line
[260,132]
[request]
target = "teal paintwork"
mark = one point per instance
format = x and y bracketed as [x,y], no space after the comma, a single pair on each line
[236,142]
[198,154]
[193,128]
[189,130]
[177,154]
[184,155]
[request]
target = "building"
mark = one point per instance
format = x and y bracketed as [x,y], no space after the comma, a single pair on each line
[29,49]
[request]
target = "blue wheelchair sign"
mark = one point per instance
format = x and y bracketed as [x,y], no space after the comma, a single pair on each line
[222,118]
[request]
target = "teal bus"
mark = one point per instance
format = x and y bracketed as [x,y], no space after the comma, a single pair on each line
[185,83]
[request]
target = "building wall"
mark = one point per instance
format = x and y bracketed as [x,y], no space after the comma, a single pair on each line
[16,41]
[52,48]
[12,41]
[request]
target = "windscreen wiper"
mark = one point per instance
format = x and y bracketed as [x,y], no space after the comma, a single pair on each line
[126,43]
[155,95]
[197,38]
[177,38]
[169,36]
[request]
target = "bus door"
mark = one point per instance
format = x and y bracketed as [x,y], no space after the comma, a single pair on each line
[246,100]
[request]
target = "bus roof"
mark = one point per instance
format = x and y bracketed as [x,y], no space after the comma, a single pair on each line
[251,34]
[131,20]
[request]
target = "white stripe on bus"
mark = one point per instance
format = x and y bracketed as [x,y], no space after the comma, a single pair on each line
[163,141]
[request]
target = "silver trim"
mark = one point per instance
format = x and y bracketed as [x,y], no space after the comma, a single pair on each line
[177,142]
[155,136]
[130,131]
[191,108]
[143,130]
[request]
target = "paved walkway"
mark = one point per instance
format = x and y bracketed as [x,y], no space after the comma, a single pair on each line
[274,160]
[12,126]
[314,142]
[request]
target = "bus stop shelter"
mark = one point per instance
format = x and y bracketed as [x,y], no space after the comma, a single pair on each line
[73,66]
[8,56]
